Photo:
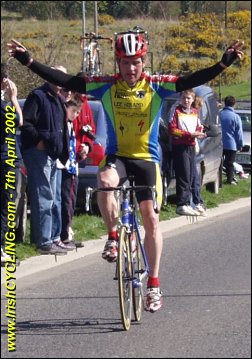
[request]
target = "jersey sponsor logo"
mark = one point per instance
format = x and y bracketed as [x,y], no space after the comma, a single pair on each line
[123,128]
[129,105]
[140,94]
[140,125]
[121,94]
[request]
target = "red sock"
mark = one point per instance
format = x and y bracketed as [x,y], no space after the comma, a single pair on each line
[153,282]
[113,235]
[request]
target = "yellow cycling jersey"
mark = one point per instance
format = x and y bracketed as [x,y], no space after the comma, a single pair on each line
[132,114]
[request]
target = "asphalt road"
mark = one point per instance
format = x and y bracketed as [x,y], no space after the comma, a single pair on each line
[72,310]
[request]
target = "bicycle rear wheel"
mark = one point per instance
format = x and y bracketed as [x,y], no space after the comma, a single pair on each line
[137,290]
[125,278]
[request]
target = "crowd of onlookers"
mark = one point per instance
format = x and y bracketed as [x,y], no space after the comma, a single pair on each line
[52,143]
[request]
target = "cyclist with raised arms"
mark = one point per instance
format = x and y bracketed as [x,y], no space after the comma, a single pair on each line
[132,102]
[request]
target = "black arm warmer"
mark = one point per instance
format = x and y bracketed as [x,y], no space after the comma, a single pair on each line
[229,58]
[198,78]
[59,78]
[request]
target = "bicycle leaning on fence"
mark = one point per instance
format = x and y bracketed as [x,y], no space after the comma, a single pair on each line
[132,265]
[91,62]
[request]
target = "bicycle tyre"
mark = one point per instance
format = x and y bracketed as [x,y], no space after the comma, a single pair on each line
[125,278]
[137,291]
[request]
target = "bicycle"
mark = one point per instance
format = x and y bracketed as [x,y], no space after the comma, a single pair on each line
[92,53]
[132,266]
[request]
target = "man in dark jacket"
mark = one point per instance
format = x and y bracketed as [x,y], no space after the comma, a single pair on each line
[44,138]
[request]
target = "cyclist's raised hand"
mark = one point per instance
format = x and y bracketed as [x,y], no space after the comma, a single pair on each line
[19,52]
[232,53]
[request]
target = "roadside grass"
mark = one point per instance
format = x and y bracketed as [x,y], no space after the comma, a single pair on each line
[87,227]
[241,91]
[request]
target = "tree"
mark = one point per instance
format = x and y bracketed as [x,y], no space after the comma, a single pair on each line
[108,7]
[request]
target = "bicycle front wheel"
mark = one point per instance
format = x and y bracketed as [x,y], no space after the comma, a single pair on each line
[125,278]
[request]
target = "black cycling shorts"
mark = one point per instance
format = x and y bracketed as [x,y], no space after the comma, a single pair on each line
[146,173]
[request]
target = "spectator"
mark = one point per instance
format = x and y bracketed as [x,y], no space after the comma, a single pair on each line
[84,124]
[44,138]
[66,94]
[81,149]
[70,175]
[11,159]
[197,202]
[185,128]
[232,136]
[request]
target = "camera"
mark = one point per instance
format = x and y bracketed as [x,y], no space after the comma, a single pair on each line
[86,130]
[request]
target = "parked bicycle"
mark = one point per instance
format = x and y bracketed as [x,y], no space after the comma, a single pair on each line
[91,50]
[132,266]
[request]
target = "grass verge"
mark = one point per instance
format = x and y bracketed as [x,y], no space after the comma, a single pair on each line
[241,91]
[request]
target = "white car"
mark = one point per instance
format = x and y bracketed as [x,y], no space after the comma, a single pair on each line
[244,157]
